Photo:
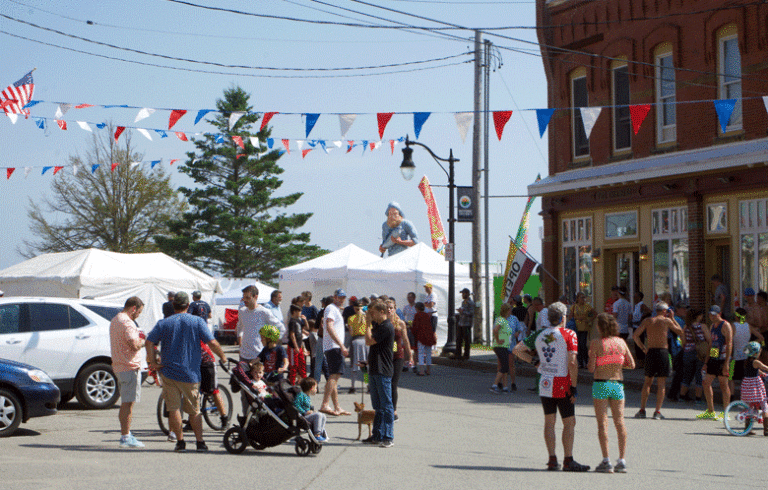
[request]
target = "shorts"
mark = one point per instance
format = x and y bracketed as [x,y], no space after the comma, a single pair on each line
[564,405]
[715,367]
[736,373]
[503,355]
[335,361]
[173,391]
[608,390]
[208,385]
[657,363]
[130,386]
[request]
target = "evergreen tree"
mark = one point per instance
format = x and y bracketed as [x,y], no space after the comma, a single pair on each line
[235,225]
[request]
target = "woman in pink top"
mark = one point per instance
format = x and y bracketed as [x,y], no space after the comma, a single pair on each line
[608,355]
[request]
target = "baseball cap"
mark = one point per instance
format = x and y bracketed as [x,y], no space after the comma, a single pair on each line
[749,292]
[180,299]
[353,298]
[465,290]
[340,293]
[714,310]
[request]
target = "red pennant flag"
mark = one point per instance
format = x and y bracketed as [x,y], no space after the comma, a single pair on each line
[638,113]
[350,145]
[239,141]
[500,119]
[181,136]
[62,124]
[56,169]
[83,106]
[118,132]
[114,166]
[372,145]
[266,118]
[287,145]
[383,118]
[239,155]
[392,145]
[8,172]
[175,116]
[305,151]
[174,161]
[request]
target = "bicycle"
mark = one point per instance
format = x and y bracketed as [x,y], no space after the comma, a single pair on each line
[207,408]
[739,417]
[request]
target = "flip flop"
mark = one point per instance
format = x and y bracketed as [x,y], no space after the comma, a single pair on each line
[343,412]
[328,411]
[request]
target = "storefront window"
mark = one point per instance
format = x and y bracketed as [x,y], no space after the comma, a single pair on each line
[754,244]
[671,271]
[577,257]
[621,225]
[717,218]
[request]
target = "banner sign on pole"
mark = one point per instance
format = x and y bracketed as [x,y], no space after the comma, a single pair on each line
[466,210]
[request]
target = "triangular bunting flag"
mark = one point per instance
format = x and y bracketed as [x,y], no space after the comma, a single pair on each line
[118,132]
[176,114]
[201,114]
[181,136]
[373,146]
[45,169]
[239,155]
[365,145]
[62,124]
[304,152]
[143,114]
[419,118]
[61,110]
[74,169]
[8,172]
[345,122]
[270,143]
[84,125]
[27,170]
[265,119]
[13,117]
[161,133]
[31,103]
[83,106]
[350,145]
[287,145]
[543,116]
[311,120]
[174,161]
[638,113]
[383,119]
[392,145]
[145,133]
[101,125]
[239,141]
[56,169]
[724,109]
[500,119]
[338,143]
[94,167]
[133,165]
[589,116]
[234,117]
[765,102]
[255,141]
[114,166]
[40,122]
[299,144]
[153,163]
[463,120]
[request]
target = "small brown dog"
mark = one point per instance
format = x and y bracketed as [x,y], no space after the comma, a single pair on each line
[363,417]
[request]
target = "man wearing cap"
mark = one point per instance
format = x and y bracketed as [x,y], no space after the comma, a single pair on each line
[168,305]
[430,305]
[335,352]
[720,352]
[180,336]
[198,307]
[464,329]
[397,233]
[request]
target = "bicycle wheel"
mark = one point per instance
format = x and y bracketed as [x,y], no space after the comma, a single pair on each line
[211,412]
[162,415]
[738,419]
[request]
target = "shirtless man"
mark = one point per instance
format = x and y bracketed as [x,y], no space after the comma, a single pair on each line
[757,317]
[656,355]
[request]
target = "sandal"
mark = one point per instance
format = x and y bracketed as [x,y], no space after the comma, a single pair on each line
[328,411]
[343,412]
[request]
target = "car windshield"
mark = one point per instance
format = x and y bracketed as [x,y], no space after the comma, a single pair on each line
[107,312]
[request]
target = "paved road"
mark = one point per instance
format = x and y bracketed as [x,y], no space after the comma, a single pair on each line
[453,433]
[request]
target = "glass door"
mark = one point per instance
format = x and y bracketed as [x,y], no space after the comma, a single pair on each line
[626,273]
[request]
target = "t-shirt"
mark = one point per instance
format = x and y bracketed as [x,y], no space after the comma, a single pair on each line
[740,339]
[199,308]
[722,290]
[332,313]
[622,310]
[294,326]
[277,319]
[179,338]
[357,324]
[380,355]
[408,311]
[124,343]
[272,358]
[520,312]
[249,322]
[467,311]
[504,333]
[517,327]
[310,312]
[553,345]
[206,355]
[430,298]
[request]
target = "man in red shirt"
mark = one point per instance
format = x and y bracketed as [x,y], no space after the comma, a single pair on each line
[611,300]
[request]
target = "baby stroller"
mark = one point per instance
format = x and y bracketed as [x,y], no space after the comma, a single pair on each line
[268,422]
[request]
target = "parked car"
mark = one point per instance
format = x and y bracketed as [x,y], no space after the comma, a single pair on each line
[25,392]
[68,339]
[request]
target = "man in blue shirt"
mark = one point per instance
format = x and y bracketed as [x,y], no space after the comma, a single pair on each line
[273,305]
[180,336]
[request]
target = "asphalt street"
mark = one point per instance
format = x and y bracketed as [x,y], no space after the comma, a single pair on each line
[452,433]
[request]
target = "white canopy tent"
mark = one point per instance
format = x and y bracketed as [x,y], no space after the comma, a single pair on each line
[107,276]
[232,293]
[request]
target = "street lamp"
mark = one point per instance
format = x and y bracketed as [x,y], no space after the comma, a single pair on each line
[407,168]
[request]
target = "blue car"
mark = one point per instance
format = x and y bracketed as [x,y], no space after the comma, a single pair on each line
[25,392]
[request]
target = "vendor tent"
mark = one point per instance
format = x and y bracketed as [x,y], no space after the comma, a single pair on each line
[232,293]
[107,276]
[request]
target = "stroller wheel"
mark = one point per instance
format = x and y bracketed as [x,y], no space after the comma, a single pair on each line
[302,446]
[315,447]
[235,440]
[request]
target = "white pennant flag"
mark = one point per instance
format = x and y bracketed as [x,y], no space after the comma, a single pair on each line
[74,169]
[376,145]
[143,114]
[255,141]
[463,120]
[145,133]
[345,121]
[589,116]
[338,144]
[135,164]
[84,125]
[62,109]
[234,117]
[13,117]
[765,102]
[299,144]
[27,170]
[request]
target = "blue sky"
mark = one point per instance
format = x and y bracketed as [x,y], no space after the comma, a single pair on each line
[347,192]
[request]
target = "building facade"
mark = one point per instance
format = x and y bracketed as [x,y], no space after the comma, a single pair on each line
[662,206]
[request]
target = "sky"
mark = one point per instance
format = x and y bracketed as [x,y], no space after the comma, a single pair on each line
[347,192]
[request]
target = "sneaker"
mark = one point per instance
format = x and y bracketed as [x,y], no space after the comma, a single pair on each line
[505,390]
[706,414]
[533,390]
[181,446]
[387,444]
[640,414]
[171,437]
[130,442]
[224,421]
[620,467]
[495,389]
[658,416]
[720,416]
[370,440]
[572,465]
[604,467]
[201,447]
[320,438]
[513,387]
[553,465]
[397,417]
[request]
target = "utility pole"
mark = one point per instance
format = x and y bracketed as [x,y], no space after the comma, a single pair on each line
[477,322]
[486,171]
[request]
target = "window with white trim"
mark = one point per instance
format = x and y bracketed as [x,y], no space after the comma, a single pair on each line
[729,67]
[622,122]
[671,271]
[577,257]
[621,225]
[666,113]
[753,228]
[579,98]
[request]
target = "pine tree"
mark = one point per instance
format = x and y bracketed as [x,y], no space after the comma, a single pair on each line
[235,225]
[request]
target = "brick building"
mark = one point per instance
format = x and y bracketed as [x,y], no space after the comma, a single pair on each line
[663,209]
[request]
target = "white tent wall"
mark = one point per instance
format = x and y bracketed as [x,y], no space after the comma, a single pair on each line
[232,293]
[319,288]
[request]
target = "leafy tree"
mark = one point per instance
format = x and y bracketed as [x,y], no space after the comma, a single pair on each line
[119,210]
[235,225]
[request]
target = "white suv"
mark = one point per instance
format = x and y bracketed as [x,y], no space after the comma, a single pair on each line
[68,339]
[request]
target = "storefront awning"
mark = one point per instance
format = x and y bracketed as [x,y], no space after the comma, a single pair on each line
[743,153]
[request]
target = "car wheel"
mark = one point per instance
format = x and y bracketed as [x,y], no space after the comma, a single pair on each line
[10,413]
[97,386]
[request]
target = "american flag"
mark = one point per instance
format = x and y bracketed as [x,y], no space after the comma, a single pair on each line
[20,92]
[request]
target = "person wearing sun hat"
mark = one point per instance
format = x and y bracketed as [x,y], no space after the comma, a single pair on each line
[397,233]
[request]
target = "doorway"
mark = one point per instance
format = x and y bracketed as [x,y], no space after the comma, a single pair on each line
[627,266]
[718,261]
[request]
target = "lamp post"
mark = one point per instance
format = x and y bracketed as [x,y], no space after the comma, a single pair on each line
[407,168]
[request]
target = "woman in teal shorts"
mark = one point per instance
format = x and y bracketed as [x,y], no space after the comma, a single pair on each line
[608,356]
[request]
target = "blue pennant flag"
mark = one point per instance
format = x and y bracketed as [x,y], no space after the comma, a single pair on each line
[45,169]
[201,114]
[94,167]
[311,120]
[419,118]
[724,109]
[270,142]
[543,116]
[101,125]
[31,103]
[365,145]
[40,122]
[312,143]
[220,138]
[113,106]
[161,133]
[153,163]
